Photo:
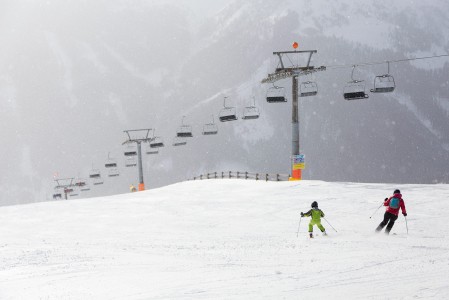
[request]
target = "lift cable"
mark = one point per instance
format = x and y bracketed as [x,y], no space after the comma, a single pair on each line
[383,62]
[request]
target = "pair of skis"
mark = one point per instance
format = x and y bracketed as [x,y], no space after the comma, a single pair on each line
[297,232]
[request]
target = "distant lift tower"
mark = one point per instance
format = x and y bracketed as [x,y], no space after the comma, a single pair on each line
[283,72]
[139,136]
[66,184]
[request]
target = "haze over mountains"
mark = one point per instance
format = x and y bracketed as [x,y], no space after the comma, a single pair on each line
[75,74]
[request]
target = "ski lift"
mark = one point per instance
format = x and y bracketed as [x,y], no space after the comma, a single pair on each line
[152,151]
[130,161]
[95,175]
[184,130]
[111,162]
[308,88]
[384,83]
[73,193]
[85,188]
[251,112]
[111,166]
[276,94]
[131,150]
[149,150]
[130,155]
[210,128]
[82,184]
[227,113]
[355,89]
[57,195]
[179,141]
[113,172]
[157,142]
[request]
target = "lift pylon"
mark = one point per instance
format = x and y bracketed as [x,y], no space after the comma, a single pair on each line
[293,71]
[139,136]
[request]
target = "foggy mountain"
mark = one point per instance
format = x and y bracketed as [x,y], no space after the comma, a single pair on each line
[75,74]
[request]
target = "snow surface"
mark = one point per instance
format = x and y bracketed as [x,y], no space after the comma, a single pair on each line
[227,239]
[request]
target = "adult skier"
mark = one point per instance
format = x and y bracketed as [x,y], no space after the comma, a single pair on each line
[316,215]
[392,211]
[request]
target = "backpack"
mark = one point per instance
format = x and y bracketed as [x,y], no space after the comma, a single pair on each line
[394,202]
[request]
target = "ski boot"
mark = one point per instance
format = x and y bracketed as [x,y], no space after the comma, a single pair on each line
[311,235]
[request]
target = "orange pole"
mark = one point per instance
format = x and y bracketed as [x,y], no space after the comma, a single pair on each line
[296,174]
[141,187]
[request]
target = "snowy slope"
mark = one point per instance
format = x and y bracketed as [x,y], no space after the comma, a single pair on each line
[227,239]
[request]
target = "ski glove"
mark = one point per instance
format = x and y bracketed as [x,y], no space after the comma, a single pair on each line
[405,214]
[302,214]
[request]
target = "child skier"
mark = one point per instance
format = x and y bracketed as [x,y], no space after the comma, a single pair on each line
[391,214]
[316,215]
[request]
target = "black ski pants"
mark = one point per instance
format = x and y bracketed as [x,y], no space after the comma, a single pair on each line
[389,219]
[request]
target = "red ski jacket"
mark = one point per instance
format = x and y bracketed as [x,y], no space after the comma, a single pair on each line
[395,211]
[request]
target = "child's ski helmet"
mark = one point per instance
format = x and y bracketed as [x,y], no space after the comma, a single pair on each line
[314,204]
[396,191]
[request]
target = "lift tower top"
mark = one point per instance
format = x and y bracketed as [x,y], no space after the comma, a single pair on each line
[283,72]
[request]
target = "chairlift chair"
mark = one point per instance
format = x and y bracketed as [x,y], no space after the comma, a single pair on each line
[111,162]
[184,130]
[355,89]
[57,196]
[251,112]
[179,141]
[73,193]
[276,94]
[150,150]
[210,128]
[113,172]
[130,161]
[98,181]
[157,142]
[308,88]
[227,113]
[95,175]
[384,83]
[85,188]
[82,185]
[131,150]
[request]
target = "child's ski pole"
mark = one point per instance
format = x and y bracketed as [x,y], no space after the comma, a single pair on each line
[329,224]
[297,232]
[376,210]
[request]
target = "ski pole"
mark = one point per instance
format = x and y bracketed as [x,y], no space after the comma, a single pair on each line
[376,211]
[297,232]
[329,224]
[406,225]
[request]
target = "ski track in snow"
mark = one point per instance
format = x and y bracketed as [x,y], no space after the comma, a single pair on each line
[227,239]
